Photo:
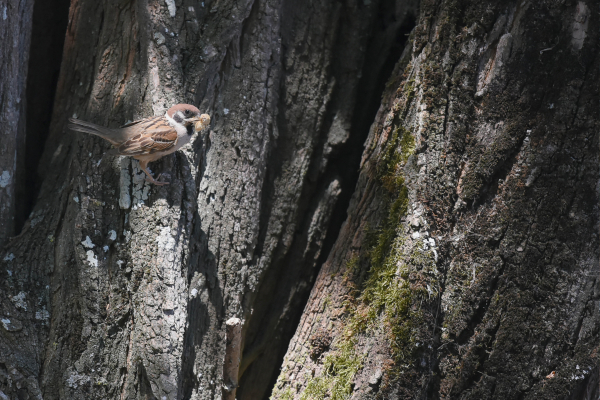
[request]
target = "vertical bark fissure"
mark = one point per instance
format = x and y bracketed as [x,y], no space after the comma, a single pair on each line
[15,37]
[379,50]
[49,25]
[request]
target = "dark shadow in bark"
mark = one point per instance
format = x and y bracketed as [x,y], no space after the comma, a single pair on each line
[50,20]
[589,389]
[285,290]
[198,323]
[144,386]
[376,72]
[202,265]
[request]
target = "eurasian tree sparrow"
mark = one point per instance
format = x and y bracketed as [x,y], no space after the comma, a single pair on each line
[149,139]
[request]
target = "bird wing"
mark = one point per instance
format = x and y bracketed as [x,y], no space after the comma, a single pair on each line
[148,136]
[145,123]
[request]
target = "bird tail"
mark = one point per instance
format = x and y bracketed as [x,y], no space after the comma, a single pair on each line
[112,135]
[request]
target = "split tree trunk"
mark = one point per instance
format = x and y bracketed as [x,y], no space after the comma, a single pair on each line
[119,289]
[468,267]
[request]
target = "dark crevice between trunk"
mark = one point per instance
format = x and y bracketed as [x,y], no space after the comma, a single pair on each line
[285,290]
[144,387]
[377,69]
[50,20]
[201,263]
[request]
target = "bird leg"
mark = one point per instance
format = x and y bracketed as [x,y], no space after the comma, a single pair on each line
[150,178]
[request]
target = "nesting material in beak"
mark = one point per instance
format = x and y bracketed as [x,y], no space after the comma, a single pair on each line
[202,122]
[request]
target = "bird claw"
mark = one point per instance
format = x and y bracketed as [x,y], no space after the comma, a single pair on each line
[156,181]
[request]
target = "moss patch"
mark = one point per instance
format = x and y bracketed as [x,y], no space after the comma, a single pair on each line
[389,170]
[339,368]
[396,281]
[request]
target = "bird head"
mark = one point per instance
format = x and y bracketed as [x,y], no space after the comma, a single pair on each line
[185,114]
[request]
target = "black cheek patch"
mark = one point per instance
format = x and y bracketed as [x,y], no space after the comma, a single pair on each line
[177,118]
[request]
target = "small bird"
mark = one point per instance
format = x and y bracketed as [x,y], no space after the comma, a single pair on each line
[149,139]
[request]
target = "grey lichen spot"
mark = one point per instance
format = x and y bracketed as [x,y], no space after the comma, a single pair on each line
[88,243]
[171,7]
[5,322]
[488,133]
[112,235]
[124,183]
[141,189]
[36,218]
[9,257]
[165,241]
[76,380]
[5,179]
[339,131]
[91,258]
[13,325]
[160,39]
[57,151]
[495,70]
[19,301]
[580,25]
[532,176]
[322,212]
[42,315]
[374,379]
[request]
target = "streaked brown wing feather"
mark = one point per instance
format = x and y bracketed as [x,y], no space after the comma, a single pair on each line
[149,137]
[143,122]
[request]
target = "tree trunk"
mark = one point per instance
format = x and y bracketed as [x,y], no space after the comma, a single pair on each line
[468,266]
[119,289]
[15,34]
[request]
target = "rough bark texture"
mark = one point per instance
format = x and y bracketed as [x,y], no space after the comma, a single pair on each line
[468,267]
[15,34]
[119,289]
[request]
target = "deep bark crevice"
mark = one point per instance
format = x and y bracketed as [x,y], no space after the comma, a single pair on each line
[47,38]
[273,322]
[375,74]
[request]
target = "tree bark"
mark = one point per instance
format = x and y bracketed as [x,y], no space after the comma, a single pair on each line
[119,289]
[15,35]
[468,265]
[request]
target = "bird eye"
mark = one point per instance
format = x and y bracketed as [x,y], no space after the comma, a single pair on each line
[187,112]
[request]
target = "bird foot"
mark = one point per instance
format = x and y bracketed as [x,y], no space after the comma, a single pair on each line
[156,181]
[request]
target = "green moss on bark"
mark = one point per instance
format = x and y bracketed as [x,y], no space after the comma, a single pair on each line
[339,368]
[396,281]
